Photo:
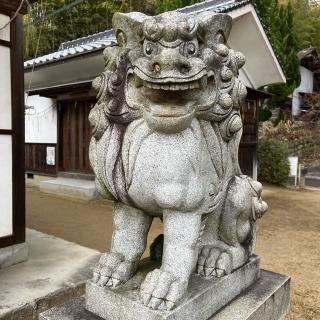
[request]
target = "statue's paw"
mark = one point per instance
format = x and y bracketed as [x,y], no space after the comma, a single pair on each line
[112,270]
[213,262]
[161,290]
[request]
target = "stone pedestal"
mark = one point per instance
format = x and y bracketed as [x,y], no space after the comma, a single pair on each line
[204,297]
[242,295]
[267,299]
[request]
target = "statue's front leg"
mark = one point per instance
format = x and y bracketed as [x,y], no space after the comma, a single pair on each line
[129,241]
[163,288]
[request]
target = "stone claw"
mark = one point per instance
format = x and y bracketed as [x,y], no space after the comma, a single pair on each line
[146,297]
[112,270]
[209,272]
[213,262]
[220,273]
[170,305]
[161,290]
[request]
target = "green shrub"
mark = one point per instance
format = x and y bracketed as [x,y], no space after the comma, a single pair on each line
[273,164]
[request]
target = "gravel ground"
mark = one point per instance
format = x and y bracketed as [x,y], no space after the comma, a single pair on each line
[288,239]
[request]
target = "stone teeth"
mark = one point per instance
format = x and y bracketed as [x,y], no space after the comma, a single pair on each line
[146,84]
[173,86]
[165,87]
[194,85]
[155,86]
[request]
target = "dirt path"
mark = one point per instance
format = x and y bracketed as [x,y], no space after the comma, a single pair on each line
[289,243]
[288,239]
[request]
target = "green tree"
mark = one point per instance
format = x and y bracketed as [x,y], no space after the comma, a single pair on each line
[88,17]
[85,18]
[273,164]
[167,5]
[307,23]
[279,21]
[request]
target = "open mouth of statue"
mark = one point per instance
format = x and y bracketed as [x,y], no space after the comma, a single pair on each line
[173,97]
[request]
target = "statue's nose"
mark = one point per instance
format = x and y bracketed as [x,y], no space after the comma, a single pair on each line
[169,60]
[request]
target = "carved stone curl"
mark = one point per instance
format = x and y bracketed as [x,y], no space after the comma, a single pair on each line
[165,144]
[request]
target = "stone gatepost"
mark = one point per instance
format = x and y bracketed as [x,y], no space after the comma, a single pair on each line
[12,186]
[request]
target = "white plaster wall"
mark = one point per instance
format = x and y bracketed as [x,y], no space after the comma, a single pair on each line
[5,88]
[306,86]
[245,79]
[247,36]
[41,120]
[5,185]
[4,33]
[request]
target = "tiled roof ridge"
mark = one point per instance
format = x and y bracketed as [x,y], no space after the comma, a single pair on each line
[100,40]
[87,39]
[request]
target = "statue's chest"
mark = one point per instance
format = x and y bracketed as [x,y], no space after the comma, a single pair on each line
[161,158]
[161,162]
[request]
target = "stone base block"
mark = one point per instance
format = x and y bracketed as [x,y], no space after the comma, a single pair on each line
[13,255]
[204,298]
[267,299]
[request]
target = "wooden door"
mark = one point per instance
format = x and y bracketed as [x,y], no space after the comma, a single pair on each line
[74,136]
[249,141]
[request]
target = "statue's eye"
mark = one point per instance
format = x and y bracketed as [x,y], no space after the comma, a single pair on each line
[149,49]
[191,48]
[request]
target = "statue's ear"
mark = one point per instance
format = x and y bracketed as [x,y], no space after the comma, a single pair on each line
[127,27]
[214,27]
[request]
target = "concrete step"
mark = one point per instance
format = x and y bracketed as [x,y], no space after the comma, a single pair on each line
[55,272]
[71,188]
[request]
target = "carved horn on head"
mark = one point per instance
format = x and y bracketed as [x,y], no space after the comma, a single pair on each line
[214,28]
[127,27]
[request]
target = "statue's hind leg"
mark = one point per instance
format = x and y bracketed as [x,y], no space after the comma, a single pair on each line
[129,240]
[229,234]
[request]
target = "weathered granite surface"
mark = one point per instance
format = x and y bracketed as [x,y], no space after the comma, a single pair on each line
[166,131]
[267,299]
[12,255]
[204,297]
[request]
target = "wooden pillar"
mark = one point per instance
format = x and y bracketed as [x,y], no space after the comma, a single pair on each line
[12,181]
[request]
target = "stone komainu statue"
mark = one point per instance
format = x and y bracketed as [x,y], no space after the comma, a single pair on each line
[165,144]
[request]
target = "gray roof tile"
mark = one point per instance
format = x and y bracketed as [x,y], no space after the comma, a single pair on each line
[101,40]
